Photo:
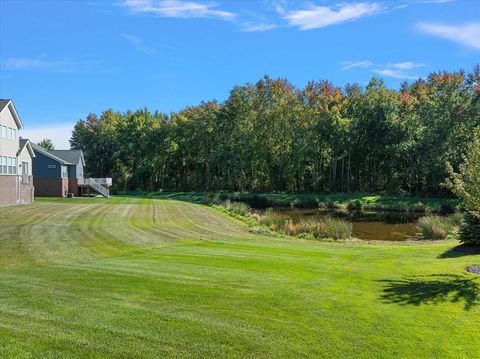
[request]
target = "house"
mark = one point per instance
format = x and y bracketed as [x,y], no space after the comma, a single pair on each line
[16,185]
[59,173]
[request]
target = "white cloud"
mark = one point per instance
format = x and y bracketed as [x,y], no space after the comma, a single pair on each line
[467,34]
[316,17]
[177,9]
[398,74]
[399,70]
[435,1]
[59,134]
[138,44]
[407,65]
[257,27]
[46,64]
[347,65]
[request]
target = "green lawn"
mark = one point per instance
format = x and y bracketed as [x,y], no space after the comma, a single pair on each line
[141,277]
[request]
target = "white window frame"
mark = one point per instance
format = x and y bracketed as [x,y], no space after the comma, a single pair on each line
[25,165]
[4,165]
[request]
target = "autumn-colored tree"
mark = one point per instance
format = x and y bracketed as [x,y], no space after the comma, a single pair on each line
[272,136]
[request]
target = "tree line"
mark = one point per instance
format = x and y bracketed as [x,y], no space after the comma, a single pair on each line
[272,136]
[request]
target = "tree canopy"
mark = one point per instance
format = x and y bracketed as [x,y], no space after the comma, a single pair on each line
[272,136]
[47,144]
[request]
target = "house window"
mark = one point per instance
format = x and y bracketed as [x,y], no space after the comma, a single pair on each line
[24,168]
[3,165]
[52,166]
[64,172]
[14,134]
[3,131]
[12,165]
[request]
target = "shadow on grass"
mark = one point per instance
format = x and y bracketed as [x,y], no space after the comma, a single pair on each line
[460,251]
[432,289]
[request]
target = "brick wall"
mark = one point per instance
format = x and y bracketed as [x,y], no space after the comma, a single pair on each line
[26,193]
[8,191]
[73,186]
[50,187]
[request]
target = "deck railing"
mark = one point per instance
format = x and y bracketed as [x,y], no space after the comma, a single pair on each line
[99,185]
[93,184]
[106,182]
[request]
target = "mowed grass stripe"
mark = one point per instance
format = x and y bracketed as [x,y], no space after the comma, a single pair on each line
[135,278]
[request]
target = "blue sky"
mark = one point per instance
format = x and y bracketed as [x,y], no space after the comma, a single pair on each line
[60,60]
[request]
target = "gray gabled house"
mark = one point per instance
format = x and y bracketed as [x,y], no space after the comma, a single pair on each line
[58,173]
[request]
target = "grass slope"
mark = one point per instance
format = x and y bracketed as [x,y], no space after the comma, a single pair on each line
[139,277]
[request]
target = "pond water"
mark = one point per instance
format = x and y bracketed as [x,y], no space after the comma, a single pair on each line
[367,225]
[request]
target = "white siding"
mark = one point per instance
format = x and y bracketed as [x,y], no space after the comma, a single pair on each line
[8,147]
[24,157]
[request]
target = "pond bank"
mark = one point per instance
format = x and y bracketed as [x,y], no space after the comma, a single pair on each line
[306,200]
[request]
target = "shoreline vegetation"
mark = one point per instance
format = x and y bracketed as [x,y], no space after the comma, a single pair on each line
[433,226]
[276,223]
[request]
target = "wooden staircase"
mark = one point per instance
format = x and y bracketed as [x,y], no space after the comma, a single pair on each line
[97,187]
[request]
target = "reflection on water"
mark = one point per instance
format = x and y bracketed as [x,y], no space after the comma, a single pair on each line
[367,225]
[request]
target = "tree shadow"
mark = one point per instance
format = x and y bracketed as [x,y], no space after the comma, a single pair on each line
[433,289]
[460,251]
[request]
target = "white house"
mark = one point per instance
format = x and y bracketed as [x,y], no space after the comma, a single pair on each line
[16,183]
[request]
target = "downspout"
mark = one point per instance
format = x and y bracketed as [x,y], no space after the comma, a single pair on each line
[17,184]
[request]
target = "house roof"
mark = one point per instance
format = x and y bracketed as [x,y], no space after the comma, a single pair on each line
[47,153]
[25,143]
[4,103]
[69,156]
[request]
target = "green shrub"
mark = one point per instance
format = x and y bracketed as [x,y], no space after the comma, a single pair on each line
[331,204]
[322,205]
[273,220]
[470,231]
[324,227]
[419,207]
[355,205]
[328,227]
[295,203]
[437,227]
[457,219]
[240,208]
[293,228]
[304,203]
[447,208]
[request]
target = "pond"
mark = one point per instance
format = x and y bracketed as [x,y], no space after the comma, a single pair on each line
[367,225]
